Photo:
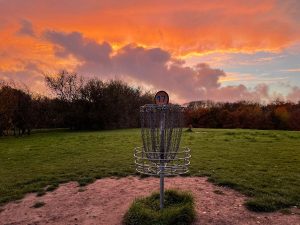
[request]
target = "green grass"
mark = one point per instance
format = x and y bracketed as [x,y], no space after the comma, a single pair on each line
[265,165]
[178,210]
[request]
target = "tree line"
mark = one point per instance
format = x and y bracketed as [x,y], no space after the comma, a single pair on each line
[278,115]
[77,104]
[94,104]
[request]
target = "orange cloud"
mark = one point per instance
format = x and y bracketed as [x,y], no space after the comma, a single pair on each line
[182,27]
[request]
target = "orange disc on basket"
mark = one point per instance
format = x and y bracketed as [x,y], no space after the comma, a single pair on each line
[161,98]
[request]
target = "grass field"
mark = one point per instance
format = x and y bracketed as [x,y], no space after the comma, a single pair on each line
[264,165]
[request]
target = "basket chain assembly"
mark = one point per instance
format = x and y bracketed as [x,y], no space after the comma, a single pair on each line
[160,155]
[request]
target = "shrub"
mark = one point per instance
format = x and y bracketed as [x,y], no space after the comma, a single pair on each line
[178,210]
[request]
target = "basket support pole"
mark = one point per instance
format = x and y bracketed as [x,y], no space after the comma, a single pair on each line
[162,156]
[161,187]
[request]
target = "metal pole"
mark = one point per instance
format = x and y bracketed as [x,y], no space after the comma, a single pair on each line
[162,156]
[162,186]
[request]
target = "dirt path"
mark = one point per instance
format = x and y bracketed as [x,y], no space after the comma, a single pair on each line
[105,202]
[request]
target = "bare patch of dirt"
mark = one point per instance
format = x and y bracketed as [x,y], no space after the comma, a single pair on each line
[105,202]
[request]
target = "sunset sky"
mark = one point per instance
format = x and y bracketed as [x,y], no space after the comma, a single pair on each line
[196,50]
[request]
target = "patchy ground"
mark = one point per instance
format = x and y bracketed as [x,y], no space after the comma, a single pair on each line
[105,202]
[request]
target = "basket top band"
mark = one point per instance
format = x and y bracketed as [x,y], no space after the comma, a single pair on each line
[154,107]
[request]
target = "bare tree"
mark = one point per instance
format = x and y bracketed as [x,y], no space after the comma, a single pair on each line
[66,86]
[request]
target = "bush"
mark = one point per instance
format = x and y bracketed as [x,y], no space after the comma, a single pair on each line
[178,210]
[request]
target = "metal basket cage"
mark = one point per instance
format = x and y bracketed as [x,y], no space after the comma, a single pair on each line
[161,130]
[178,165]
[160,155]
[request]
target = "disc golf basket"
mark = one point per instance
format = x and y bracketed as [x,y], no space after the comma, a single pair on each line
[161,129]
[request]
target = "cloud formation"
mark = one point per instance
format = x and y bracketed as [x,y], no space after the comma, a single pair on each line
[176,45]
[151,66]
[179,26]
[84,49]
[26,28]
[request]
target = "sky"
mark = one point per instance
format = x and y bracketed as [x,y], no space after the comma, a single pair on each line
[195,50]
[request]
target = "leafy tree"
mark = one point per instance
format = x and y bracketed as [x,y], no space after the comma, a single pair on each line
[15,111]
